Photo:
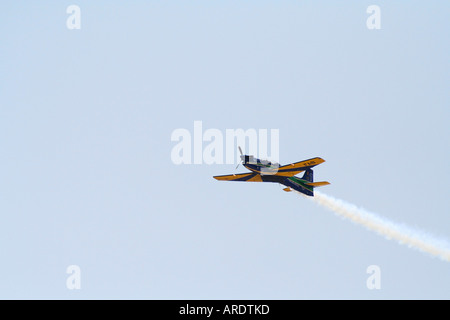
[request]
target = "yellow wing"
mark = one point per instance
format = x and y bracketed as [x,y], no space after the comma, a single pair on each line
[292,169]
[249,177]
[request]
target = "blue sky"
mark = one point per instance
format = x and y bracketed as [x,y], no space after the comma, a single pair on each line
[87,179]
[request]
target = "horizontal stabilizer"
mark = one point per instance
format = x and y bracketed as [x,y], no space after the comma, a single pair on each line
[317,184]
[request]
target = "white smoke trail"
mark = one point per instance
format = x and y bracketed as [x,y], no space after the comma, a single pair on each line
[405,235]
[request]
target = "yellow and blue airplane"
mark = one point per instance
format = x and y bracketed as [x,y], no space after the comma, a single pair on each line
[265,171]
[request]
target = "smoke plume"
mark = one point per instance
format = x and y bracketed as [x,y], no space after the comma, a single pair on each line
[391,230]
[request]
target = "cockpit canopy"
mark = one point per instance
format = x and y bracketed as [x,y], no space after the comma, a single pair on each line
[253,160]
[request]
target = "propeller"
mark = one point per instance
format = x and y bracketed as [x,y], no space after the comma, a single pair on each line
[240,150]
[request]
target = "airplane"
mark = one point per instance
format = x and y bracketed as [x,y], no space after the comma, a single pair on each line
[265,171]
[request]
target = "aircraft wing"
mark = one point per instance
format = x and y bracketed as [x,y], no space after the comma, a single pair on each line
[292,169]
[249,177]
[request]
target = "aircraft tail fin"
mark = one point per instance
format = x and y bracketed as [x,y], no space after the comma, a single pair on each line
[309,175]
